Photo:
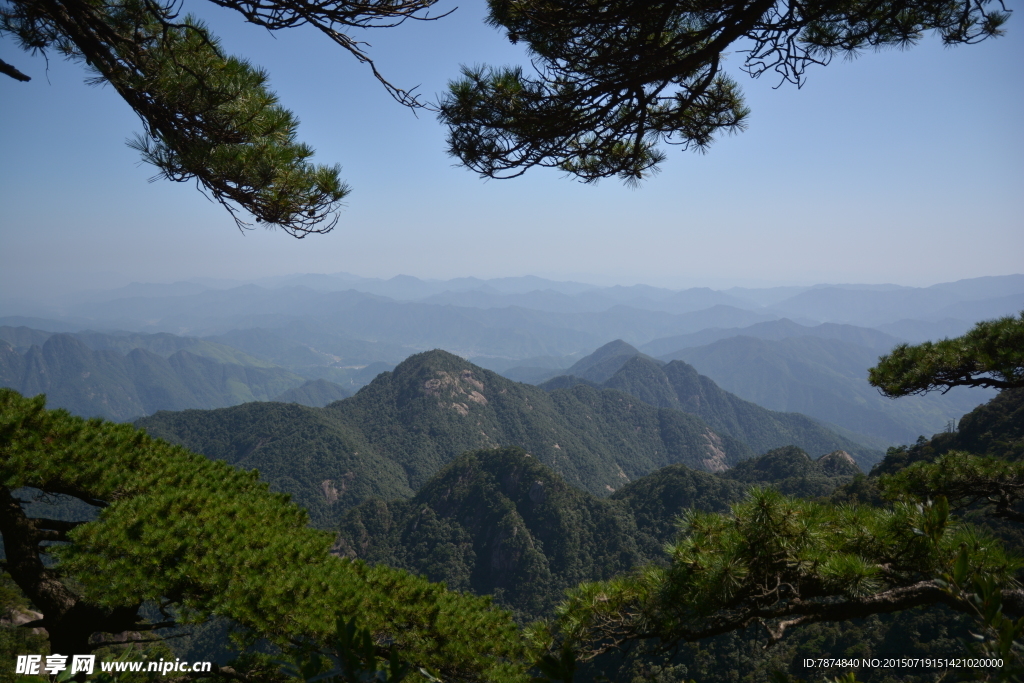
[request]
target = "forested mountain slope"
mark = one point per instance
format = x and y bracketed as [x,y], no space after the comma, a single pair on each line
[315,393]
[826,379]
[498,522]
[406,425]
[161,343]
[116,386]
[679,386]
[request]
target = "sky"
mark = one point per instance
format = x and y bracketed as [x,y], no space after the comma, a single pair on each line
[900,167]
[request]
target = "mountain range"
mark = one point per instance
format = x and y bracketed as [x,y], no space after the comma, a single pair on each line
[388,439]
[678,386]
[825,379]
[514,318]
[104,382]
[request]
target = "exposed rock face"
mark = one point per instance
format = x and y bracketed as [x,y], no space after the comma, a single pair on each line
[717,459]
[16,616]
[330,492]
[537,493]
[838,464]
[462,387]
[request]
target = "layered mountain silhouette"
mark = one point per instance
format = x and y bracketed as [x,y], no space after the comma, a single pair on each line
[678,386]
[826,379]
[315,393]
[109,384]
[406,425]
[775,329]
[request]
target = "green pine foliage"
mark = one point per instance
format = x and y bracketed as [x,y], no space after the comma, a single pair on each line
[209,118]
[201,538]
[784,562]
[976,466]
[612,82]
[990,355]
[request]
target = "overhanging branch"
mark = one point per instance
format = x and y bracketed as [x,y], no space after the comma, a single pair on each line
[9,70]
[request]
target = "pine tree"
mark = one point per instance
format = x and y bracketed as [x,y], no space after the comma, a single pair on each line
[615,78]
[197,538]
[208,117]
[784,562]
[991,354]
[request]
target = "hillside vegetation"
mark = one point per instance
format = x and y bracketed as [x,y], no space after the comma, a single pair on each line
[679,386]
[825,379]
[403,427]
[499,522]
[116,386]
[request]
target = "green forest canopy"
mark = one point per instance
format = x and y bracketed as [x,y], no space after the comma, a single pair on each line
[198,538]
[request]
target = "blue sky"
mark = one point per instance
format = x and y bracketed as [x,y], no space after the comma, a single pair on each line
[904,167]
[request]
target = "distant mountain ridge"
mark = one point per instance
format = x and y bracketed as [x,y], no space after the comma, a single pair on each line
[341,320]
[316,393]
[826,379]
[774,330]
[406,425]
[109,384]
[678,386]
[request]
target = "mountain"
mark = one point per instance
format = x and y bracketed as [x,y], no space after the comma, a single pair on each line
[794,473]
[305,344]
[657,500]
[116,386]
[604,362]
[406,425]
[774,329]
[508,332]
[980,300]
[161,343]
[977,288]
[826,379]
[343,320]
[593,300]
[917,331]
[995,429]
[22,338]
[499,522]
[315,393]
[678,386]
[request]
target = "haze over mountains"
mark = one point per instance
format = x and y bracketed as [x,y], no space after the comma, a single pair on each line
[212,343]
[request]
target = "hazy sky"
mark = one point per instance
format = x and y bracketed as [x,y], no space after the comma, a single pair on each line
[904,167]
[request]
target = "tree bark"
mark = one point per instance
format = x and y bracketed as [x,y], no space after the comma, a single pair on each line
[69,620]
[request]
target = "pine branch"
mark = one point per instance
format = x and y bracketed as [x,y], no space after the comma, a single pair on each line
[9,70]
